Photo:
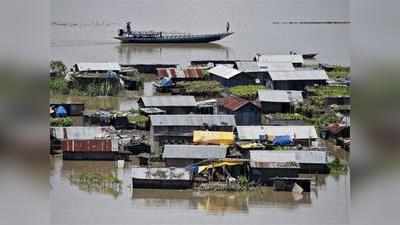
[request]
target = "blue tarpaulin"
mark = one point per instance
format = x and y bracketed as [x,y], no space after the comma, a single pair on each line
[282,140]
[165,82]
[61,111]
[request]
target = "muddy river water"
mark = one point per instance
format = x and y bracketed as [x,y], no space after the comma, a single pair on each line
[74,202]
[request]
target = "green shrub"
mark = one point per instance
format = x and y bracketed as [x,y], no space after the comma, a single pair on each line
[337,167]
[58,86]
[201,87]
[246,91]
[61,122]
[139,120]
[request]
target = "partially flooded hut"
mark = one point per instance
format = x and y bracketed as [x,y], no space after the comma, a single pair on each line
[184,155]
[164,178]
[178,129]
[279,101]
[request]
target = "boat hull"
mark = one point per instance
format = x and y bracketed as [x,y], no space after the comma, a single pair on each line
[175,39]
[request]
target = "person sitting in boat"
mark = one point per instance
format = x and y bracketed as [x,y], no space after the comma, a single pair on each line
[128,28]
[227,27]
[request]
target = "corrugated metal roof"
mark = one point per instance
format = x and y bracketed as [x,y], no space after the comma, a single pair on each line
[224,72]
[81,133]
[194,151]
[272,156]
[233,103]
[296,132]
[161,173]
[300,156]
[280,96]
[281,58]
[164,101]
[247,66]
[276,66]
[299,75]
[188,72]
[99,66]
[290,165]
[193,120]
[312,157]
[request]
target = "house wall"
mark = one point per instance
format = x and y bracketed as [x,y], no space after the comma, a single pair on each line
[241,79]
[263,175]
[343,100]
[179,162]
[247,115]
[298,85]
[314,168]
[275,107]
[161,135]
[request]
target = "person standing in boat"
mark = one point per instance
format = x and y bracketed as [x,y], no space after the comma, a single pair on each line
[227,27]
[128,28]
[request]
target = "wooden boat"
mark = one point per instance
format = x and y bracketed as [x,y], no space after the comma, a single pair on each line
[310,55]
[163,37]
[129,36]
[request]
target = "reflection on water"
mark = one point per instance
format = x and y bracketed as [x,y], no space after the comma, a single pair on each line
[327,203]
[155,53]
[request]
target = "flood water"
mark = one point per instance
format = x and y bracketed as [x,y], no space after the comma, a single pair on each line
[83,30]
[82,203]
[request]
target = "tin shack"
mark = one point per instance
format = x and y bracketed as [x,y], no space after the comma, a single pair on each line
[87,143]
[266,165]
[296,80]
[163,178]
[178,129]
[245,112]
[279,101]
[230,77]
[184,155]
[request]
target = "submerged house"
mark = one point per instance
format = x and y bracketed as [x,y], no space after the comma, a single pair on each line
[178,129]
[276,66]
[245,112]
[184,155]
[105,76]
[294,59]
[266,165]
[176,104]
[296,80]
[304,135]
[168,178]
[87,143]
[230,77]
[279,101]
[96,67]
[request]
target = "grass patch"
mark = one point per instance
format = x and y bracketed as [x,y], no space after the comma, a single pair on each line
[139,120]
[59,86]
[201,87]
[97,182]
[246,91]
[339,72]
[289,116]
[61,122]
[337,167]
[333,91]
